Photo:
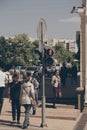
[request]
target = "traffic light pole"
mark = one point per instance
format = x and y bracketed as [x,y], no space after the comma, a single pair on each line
[43,124]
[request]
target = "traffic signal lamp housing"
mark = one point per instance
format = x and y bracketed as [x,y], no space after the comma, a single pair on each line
[50,52]
[48,57]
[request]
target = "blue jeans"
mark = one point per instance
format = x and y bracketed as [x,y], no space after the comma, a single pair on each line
[27,114]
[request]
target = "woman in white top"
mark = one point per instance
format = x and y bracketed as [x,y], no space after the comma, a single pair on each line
[56,81]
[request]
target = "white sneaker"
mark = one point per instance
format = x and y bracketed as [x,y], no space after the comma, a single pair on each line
[14,121]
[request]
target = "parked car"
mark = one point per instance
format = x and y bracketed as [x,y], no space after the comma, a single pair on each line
[31,69]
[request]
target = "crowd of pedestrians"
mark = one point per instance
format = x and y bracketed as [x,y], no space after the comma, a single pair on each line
[65,71]
[25,92]
[21,93]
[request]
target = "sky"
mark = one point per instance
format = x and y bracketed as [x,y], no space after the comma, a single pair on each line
[22,16]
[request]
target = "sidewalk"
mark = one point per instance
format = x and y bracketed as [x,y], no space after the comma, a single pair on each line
[81,123]
[64,117]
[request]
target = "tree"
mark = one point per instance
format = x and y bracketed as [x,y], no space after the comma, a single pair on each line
[23,50]
[61,54]
[3,51]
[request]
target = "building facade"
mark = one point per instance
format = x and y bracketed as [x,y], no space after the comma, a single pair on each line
[69,44]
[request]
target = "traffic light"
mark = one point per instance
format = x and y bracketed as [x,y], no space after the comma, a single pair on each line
[50,52]
[48,57]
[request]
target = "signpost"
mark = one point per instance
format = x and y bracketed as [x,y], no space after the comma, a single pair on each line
[41,31]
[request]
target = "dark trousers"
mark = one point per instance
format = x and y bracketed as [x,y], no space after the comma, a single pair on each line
[63,81]
[1,97]
[16,109]
[54,96]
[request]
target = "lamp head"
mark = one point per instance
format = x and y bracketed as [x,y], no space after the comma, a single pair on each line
[73,9]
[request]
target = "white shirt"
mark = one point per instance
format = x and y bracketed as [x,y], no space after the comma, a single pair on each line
[2,79]
[35,83]
[55,81]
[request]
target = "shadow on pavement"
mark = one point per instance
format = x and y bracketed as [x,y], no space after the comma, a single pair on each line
[9,123]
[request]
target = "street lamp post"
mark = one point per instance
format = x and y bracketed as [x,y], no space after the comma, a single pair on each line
[43,88]
[80,90]
[86,54]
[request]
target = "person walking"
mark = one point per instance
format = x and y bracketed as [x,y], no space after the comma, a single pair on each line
[74,73]
[63,74]
[14,95]
[3,81]
[56,84]
[35,81]
[26,97]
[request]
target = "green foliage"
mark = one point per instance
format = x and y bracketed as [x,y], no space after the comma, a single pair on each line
[61,54]
[20,51]
[17,51]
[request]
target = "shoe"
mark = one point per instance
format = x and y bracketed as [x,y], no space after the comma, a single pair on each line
[14,121]
[54,106]
[24,127]
[18,122]
[27,125]
[34,112]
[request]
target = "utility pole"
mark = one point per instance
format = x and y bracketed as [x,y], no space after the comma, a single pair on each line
[86,53]
[41,30]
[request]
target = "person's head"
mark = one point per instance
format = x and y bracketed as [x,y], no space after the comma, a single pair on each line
[28,73]
[15,77]
[1,67]
[64,64]
[35,73]
[26,78]
[56,72]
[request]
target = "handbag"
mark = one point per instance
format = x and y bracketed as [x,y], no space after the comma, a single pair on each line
[33,102]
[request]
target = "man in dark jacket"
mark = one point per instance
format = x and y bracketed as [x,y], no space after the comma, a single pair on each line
[63,74]
[14,93]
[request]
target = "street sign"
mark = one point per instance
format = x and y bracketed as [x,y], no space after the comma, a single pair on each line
[41,31]
[41,24]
